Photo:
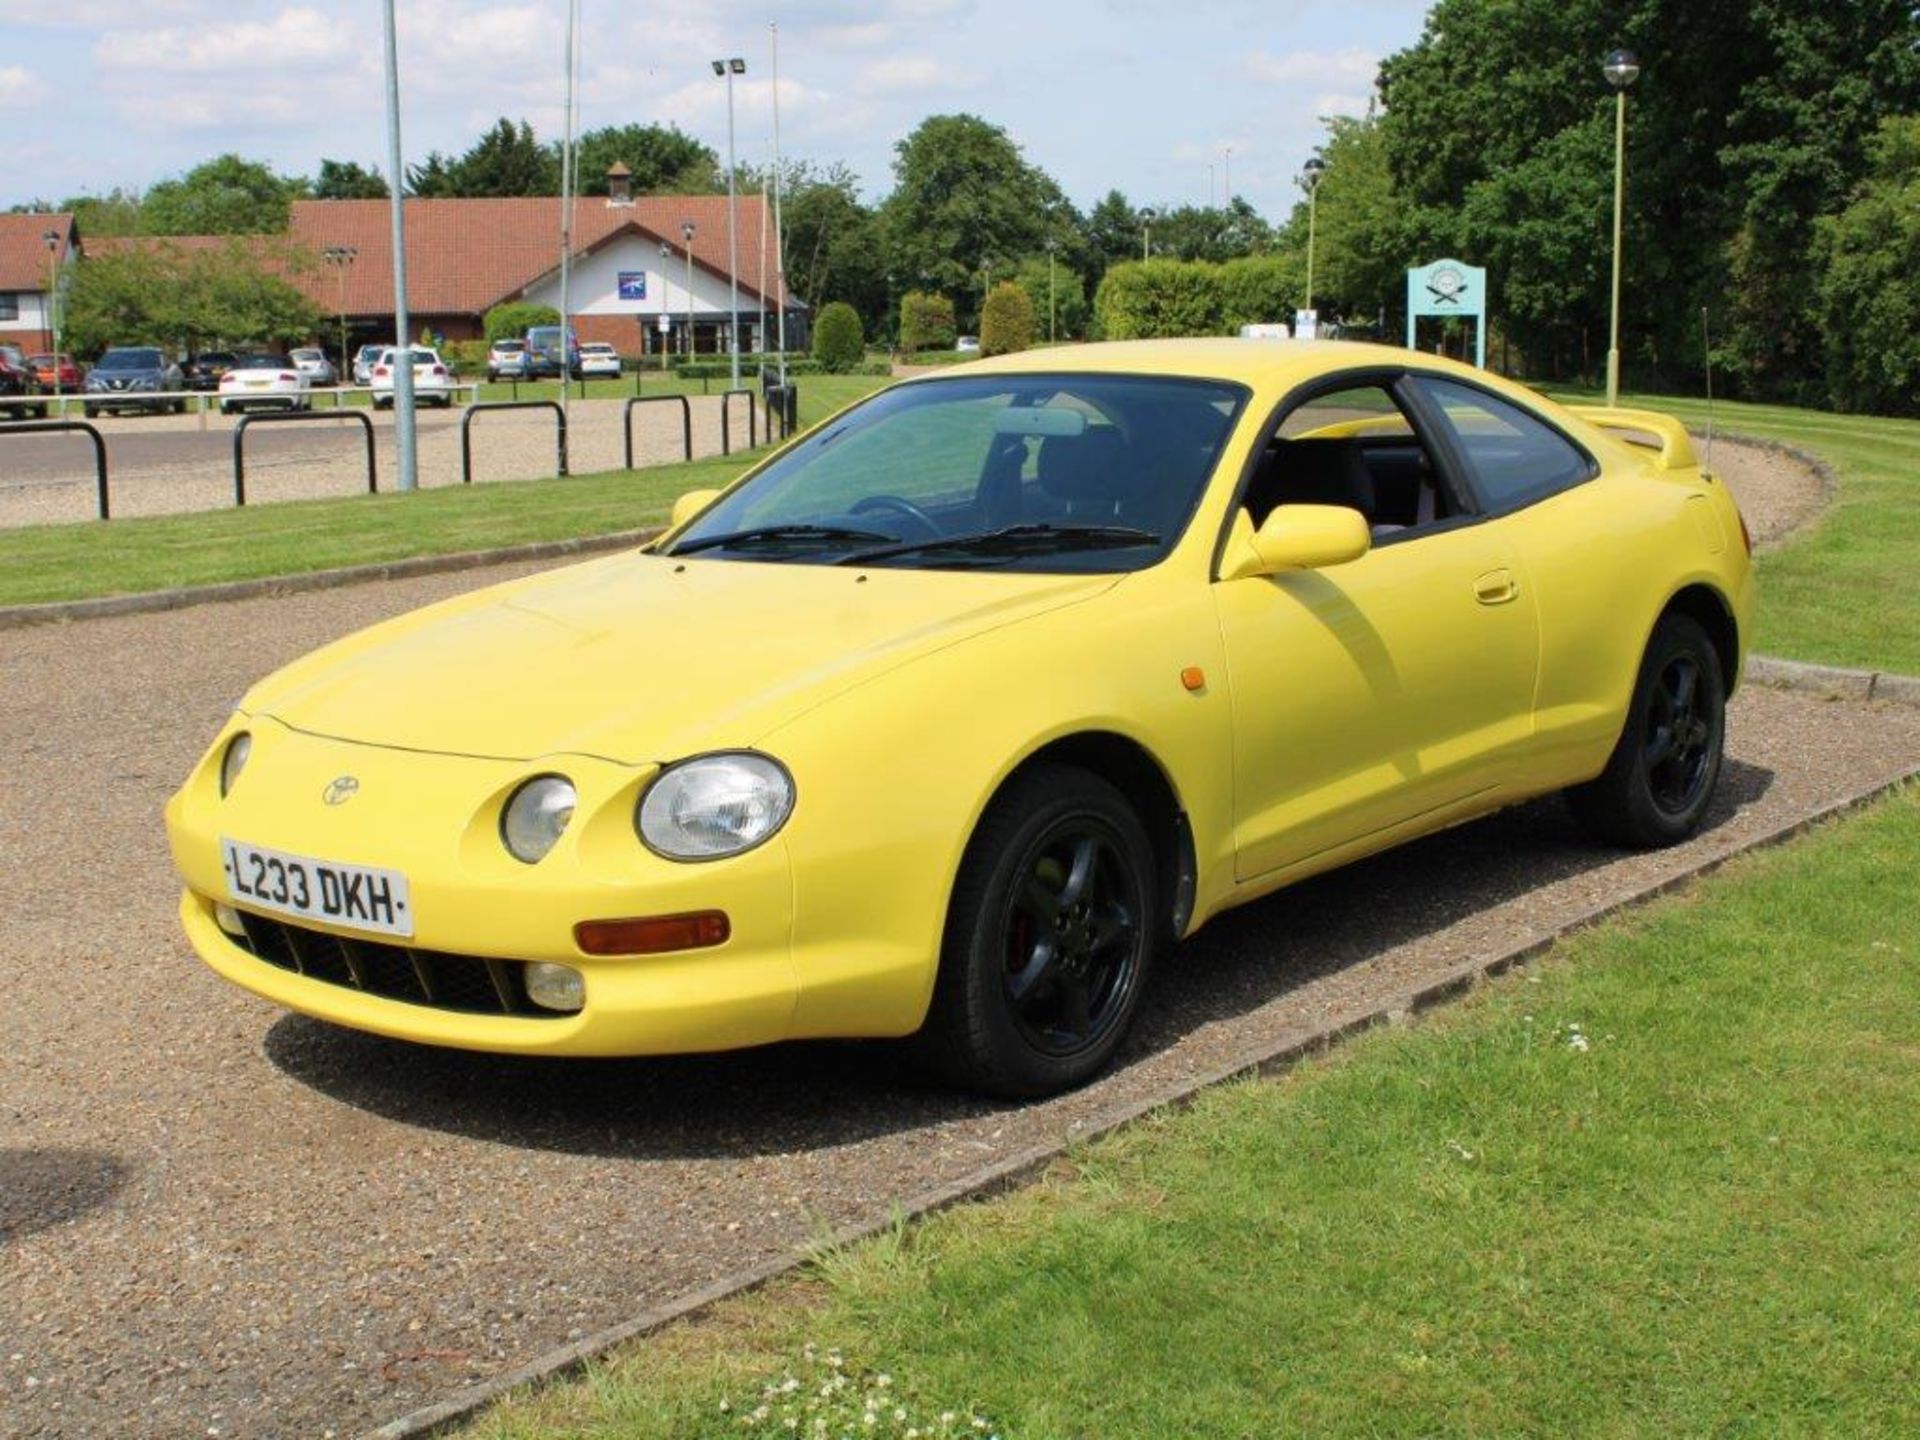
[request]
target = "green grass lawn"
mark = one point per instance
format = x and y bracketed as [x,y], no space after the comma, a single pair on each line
[1661,1185]
[65,562]
[1844,592]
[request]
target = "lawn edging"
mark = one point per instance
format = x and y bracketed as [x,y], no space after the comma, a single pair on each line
[15,617]
[1267,1059]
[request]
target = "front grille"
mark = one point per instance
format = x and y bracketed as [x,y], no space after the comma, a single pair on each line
[469,984]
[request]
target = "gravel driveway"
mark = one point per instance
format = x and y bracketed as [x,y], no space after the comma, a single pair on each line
[216,1218]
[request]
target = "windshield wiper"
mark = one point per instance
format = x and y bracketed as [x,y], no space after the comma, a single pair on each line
[759,533]
[1032,539]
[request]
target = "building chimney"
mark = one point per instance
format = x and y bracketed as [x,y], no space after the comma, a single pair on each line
[619,184]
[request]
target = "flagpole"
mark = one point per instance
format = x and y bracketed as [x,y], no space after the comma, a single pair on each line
[779,240]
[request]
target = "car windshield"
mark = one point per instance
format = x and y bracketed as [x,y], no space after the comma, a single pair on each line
[308,355]
[420,357]
[130,360]
[509,347]
[1027,472]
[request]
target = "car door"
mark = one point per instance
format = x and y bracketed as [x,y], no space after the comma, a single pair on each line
[1371,695]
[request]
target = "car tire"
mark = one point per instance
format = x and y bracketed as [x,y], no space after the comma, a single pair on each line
[92,412]
[1018,1011]
[1661,776]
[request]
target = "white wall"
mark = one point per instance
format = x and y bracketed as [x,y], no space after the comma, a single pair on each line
[594,285]
[32,312]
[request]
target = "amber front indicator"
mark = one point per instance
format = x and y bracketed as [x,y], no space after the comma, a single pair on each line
[653,934]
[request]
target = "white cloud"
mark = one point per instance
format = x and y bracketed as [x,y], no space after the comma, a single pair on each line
[912,74]
[1354,105]
[21,88]
[295,39]
[1320,66]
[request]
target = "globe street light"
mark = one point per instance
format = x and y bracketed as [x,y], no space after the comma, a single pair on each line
[1147,217]
[666,323]
[52,237]
[1310,174]
[1621,70]
[686,234]
[340,257]
[728,69]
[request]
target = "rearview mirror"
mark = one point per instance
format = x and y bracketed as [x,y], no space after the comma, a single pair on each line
[1298,537]
[690,505]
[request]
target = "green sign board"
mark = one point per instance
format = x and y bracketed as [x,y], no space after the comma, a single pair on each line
[1449,287]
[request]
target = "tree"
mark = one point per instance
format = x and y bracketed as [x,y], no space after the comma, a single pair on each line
[839,343]
[1868,257]
[926,322]
[506,161]
[663,159]
[1006,320]
[513,319]
[964,198]
[157,293]
[1194,232]
[223,196]
[832,241]
[1361,246]
[1061,287]
[348,180]
[1111,234]
[1147,300]
[1260,290]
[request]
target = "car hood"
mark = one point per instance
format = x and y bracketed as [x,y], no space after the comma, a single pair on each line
[640,658]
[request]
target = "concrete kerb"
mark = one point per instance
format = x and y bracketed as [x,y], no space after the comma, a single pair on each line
[14,617]
[1268,1059]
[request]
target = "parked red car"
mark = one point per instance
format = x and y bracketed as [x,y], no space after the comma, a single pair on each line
[56,372]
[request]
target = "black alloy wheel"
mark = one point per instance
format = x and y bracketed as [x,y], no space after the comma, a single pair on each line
[1051,934]
[1661,776]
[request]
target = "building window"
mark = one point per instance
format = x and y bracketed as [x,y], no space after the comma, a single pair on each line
[9,306]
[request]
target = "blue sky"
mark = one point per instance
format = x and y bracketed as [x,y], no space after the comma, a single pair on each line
[1141,96]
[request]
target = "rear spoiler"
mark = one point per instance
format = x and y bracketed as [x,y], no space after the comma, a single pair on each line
[1676,446]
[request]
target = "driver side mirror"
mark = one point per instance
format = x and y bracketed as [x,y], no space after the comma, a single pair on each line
[690,505]
[1296,537]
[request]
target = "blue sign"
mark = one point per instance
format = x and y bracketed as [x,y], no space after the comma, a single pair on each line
[633,284]
[1449,287]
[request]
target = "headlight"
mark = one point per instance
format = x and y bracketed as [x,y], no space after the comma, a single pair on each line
[715,805]
[234,761]
[536,816]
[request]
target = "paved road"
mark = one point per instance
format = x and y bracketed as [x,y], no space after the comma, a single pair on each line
[215,1217]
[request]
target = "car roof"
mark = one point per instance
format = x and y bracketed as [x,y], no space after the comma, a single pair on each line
[1252,362]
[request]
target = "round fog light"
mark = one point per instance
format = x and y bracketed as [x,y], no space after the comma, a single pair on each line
[555,987]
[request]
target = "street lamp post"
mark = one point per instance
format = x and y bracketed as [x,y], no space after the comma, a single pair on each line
[52,237]
[1053,248]
[1147,217]
[1310,174]
[340,257]
[686,234]
[666,338]
[1621,70]
[728,69]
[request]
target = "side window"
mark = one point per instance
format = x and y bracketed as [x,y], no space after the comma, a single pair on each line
[1353,447]
[1514,459]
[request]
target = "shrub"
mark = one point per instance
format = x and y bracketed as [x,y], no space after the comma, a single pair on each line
[1006,320]
[1141,300]
[513,319]
[839,344]
[1259,290]
[465,355]
[926,322]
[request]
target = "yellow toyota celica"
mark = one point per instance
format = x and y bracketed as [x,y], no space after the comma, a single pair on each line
[951,717]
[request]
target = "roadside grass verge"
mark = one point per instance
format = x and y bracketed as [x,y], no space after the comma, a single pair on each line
[1844,591]
[66,562]
[1661,1184]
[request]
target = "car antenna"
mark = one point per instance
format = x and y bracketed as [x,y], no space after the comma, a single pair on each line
[1706,351]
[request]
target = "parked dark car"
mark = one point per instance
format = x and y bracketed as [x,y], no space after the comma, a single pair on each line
[17,381]
[543,353]
[134,377]
[203,372]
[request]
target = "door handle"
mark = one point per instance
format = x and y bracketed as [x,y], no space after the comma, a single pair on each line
[1496,587]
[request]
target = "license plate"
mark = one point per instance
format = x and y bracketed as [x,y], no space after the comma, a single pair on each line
[258,384]
[353,897]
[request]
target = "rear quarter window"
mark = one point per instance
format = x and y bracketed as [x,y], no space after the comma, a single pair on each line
[1512,458]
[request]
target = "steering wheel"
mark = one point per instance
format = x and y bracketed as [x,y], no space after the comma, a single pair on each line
[893,504]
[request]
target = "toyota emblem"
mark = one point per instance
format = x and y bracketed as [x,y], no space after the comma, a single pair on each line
[340,789]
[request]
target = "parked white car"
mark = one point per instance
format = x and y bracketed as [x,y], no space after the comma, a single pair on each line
[432,383]
[312,362]
[507,360]
[599,359]
[263,382]
[363,359]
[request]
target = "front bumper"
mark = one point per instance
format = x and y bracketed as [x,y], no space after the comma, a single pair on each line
[435,818]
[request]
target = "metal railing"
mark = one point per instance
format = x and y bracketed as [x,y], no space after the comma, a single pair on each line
[44,427]
[466,431]
[686,422]
[281,418]
[726,428]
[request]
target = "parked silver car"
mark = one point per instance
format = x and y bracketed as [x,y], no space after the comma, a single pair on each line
[507,360]
[312,362]
[363,362]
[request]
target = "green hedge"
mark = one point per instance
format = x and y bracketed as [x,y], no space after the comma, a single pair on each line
[1161,298]
[839,339]
[1006,320]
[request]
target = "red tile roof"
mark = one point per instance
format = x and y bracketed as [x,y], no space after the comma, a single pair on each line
[466,256]
[23,251]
